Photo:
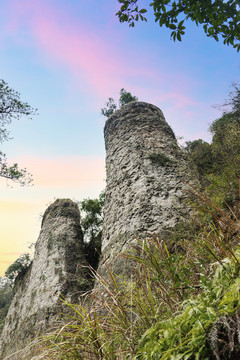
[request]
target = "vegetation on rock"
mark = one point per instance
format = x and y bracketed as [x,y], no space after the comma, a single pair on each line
[111,106]
[18,267]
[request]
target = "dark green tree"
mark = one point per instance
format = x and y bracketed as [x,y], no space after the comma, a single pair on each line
[200,153]
[218,163]
[19,266]
[218,17]
[91,222]
[126,97]
[12,108]
[234,100]
[111,106]
[231,114]
[225,178]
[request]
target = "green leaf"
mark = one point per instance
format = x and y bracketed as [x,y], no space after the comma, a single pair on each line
[180,23]
[179,36]
[161,21]
[142,11]
[173,35]
[163,8]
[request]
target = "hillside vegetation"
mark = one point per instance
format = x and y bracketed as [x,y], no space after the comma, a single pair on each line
[218,163]
[179,305]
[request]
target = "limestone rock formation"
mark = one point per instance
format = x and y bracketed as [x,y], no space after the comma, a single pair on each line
[56,269]
[147,176]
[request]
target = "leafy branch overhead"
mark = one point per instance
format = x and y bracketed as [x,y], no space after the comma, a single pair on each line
[12,108]
[218,17]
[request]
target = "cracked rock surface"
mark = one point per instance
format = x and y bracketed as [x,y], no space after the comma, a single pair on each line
[56,269]
[147,176]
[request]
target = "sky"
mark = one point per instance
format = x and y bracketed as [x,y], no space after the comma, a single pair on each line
[65,58]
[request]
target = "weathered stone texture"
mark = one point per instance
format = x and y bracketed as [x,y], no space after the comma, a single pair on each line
[56,269]
[147,175]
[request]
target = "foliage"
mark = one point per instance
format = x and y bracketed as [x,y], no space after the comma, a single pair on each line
[189,334]
[200,154]
[12,108]
[219,18]
[111,106]
[91,222]
[126,97]
[19,266]
[13,172]
[218,163]
[232,105]
[226,149]
[92,217]
[195,331]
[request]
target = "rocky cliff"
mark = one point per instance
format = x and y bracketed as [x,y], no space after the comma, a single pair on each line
[147,177]
[56,269]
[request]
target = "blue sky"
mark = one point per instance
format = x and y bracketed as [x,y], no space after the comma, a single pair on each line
[66,58]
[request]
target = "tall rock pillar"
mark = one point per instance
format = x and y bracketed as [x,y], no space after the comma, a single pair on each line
[57,269]
[146,178]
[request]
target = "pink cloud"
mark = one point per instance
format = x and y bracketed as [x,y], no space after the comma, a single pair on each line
[92,55]
[75,171]
[82,49]
[178,99]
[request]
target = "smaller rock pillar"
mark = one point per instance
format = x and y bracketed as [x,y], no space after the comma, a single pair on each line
[56,269]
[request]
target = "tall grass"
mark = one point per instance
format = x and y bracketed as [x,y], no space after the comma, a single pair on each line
[181,305]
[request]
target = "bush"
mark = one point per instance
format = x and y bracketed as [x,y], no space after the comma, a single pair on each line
[111,106]
[218,163]
[19,266]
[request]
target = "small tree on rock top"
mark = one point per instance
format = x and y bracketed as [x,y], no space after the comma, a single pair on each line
[111,106]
